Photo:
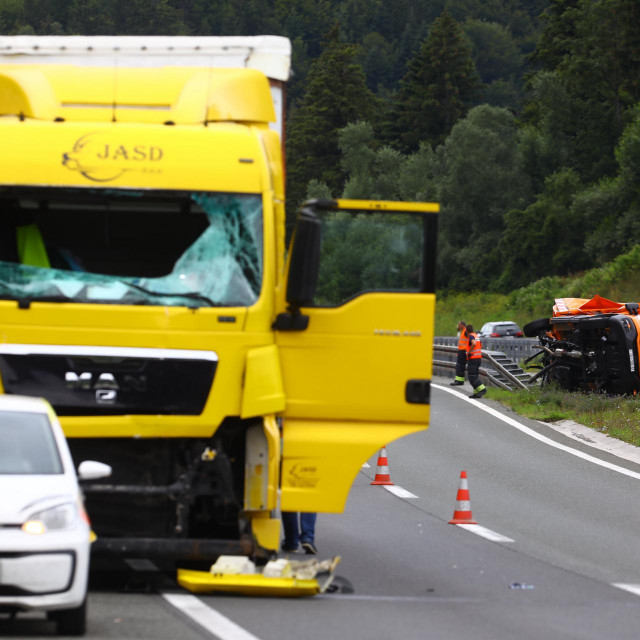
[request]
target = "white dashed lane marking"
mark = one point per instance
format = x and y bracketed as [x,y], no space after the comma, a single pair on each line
[212,621]
[631,588]
[485,533]
[398,491]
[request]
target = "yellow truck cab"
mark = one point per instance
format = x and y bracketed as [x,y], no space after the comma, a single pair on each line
[144,291]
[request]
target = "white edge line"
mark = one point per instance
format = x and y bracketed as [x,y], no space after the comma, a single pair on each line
[485,533]
[208,618]
[631,588]
[596,440]
[398,491]
[541,438]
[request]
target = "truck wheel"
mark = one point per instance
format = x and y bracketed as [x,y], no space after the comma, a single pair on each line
[532,329]
[71,622]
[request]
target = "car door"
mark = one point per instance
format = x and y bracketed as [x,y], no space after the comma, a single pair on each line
[356,343]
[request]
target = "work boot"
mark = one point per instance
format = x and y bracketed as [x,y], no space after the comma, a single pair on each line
[456,383]
[478,394]
[309,548]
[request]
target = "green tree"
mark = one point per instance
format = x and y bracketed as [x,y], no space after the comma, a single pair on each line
[611,209]
[305,23]
[559,32]
[47,16]
[482,178]
[497,60]
[546,141]
[378,59]
[359,17]
[336,95]
[546,238]
[439,87]
[593,48]
[356,142]
[383,173]
[12,16]
[91,17]
[148,17]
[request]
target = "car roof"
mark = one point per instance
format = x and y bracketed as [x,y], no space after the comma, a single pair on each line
[23,403]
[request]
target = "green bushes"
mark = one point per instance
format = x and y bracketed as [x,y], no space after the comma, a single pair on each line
[618,280]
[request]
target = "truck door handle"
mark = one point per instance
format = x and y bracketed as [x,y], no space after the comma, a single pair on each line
[418,391]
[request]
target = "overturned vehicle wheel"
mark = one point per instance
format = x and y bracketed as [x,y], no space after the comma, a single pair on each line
[532,329]
[595,352]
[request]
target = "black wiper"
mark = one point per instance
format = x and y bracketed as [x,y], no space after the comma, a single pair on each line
[162,294]
[24,302]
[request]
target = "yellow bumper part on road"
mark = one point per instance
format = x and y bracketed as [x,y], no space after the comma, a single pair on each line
[257,584]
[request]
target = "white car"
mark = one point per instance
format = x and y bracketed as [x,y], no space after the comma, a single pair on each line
[44,529]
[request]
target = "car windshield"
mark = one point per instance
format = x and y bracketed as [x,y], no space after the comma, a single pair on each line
[116,246]
[27,444]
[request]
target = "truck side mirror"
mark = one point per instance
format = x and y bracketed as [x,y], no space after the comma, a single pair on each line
[304,265]
[305,260]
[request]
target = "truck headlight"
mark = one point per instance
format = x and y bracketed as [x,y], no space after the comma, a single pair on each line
[56,518]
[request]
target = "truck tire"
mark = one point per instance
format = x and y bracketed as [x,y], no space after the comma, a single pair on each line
[532,329]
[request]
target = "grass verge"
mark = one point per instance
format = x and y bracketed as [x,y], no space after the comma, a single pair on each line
[617,280]
[618,417]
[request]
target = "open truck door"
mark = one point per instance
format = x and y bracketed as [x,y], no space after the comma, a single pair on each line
[355,341]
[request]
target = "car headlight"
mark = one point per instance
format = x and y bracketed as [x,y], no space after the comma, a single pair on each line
[56,518]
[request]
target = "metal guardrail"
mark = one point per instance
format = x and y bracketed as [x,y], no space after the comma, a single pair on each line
[517,349]
[485,375]
[484,372]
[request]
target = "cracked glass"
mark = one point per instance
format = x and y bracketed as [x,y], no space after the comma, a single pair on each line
[131,247]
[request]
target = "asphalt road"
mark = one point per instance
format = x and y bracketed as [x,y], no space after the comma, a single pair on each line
[573,526]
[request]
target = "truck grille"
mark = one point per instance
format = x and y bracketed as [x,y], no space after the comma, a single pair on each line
[110,380]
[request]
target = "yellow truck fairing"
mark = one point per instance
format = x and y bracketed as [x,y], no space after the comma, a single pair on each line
[143,291]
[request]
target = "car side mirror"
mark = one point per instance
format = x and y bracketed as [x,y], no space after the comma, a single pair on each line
[93,470]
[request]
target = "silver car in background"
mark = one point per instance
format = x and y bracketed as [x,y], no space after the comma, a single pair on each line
[502,329]
[44,529]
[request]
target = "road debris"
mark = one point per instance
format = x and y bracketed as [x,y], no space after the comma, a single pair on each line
[281,577]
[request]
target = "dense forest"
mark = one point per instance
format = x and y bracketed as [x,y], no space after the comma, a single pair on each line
[521,117]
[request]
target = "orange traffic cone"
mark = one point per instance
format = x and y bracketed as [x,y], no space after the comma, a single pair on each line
[462,512]
[382,472]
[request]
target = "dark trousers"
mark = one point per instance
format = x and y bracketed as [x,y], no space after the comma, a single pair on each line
[461,363]
[473,368]
[298,527]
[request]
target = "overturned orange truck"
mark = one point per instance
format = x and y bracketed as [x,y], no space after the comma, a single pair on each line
[590,345]
[144,292]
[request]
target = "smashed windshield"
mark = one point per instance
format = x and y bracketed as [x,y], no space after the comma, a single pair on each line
[130,247]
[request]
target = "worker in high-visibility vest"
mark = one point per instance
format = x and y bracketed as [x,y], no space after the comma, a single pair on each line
[474,358]
[461,357]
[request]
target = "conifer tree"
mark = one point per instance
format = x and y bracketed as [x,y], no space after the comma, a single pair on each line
[336,95]
[593,48]
[437,90]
